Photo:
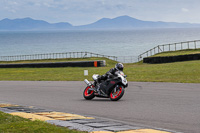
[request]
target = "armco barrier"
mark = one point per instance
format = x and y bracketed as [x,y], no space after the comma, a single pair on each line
[167,59]
[57,64]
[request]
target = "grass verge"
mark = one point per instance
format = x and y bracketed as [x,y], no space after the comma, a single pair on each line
[181,72]
[15,124]
[178,52]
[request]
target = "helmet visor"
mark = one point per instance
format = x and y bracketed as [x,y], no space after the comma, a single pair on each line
[120,68]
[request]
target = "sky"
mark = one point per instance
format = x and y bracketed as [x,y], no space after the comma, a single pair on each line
[81,12]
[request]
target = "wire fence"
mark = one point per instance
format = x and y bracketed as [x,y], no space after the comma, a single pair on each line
[170,47]
[55,56]
[127,59]
[124,59]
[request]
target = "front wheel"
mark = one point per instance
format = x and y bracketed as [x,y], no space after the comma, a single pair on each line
[117,93]
[88,94]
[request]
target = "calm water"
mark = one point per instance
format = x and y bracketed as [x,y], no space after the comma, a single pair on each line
[117,43]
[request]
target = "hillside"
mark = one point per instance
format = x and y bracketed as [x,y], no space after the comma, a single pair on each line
[122,22]
[31,24]
[126,22]
[178,52]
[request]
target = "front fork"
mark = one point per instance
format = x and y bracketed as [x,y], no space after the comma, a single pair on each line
[115,89]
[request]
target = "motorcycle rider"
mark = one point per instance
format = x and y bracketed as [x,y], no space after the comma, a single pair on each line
[111,72]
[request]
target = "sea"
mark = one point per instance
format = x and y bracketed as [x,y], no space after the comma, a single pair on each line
[106,42]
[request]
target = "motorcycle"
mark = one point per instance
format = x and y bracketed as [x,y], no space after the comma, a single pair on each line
[112,88]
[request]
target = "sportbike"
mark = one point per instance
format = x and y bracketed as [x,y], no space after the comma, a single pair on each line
[112,88]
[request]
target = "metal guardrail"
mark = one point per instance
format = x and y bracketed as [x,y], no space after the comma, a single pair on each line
[123,59]
[54,56]
[170,47]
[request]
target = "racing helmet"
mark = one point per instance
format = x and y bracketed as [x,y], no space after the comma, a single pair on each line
[119,66]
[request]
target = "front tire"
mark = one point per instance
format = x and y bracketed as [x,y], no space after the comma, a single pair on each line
[88,94]
[115,96]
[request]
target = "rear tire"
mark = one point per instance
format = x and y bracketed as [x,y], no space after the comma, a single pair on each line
[115,96]
[88,94]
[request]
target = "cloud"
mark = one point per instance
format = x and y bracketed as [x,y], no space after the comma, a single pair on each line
[185,10]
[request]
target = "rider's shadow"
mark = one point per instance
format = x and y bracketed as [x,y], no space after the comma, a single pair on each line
[101,100]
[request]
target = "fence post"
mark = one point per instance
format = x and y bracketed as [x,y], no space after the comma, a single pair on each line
[195,45]
[181,45]
[175,46]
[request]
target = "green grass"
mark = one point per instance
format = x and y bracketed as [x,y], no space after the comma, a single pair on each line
[179,52]
[15,124]
[182,72]
[53,74]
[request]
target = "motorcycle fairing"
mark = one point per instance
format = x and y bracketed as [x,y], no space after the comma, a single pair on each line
[108,85]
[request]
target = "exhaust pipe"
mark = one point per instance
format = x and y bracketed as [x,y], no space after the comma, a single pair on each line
[87,82]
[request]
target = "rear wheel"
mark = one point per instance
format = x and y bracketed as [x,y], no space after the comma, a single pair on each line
[88,94]
[117,93]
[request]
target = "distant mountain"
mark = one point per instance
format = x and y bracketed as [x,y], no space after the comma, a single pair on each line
[126,22]
[31,24]
[122,22]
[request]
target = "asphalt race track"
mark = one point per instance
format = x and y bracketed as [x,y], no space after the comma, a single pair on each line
[172,106]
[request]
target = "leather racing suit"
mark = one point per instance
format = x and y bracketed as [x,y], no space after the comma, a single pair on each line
[109,74]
